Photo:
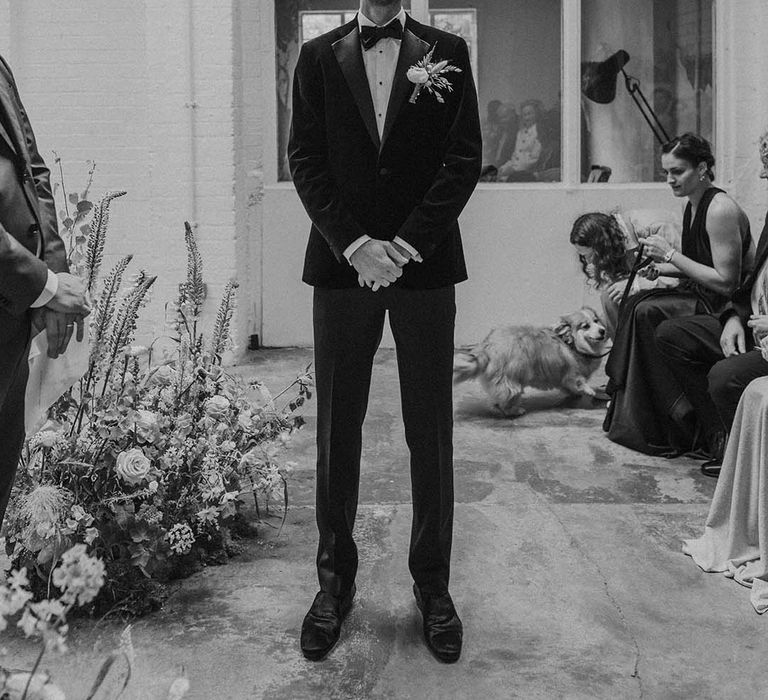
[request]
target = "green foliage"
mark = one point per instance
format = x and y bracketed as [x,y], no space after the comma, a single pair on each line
[147,459]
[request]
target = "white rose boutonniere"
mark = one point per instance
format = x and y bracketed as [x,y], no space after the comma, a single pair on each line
[430,76]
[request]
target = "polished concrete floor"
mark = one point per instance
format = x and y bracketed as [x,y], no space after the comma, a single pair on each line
[567,572]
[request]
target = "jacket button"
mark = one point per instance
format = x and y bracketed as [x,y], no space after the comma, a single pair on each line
[385,171]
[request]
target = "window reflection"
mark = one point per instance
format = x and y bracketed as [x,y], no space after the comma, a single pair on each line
[669,43]
[516,47]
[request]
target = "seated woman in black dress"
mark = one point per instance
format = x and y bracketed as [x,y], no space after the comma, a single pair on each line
[648,411]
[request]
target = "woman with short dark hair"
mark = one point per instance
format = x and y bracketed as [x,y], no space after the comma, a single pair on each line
[648,411]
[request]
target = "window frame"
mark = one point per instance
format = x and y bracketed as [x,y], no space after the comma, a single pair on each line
[570,77]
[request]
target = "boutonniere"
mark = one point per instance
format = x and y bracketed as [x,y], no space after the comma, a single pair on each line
[430,76]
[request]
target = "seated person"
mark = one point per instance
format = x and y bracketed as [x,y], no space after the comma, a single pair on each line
[714,357]
[648,410]
[499,129]
[529,144]
[607,246]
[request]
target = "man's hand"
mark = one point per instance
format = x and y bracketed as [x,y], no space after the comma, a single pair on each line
[59,328]
[732,339]
[70,297]
[378,263]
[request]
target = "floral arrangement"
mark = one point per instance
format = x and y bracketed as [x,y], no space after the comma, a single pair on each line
[147,459]
[79,578]
[430,76]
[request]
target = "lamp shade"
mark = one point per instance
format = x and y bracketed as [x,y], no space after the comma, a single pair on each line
[598,78]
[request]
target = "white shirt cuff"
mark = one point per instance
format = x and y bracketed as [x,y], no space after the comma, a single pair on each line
[414,253]
[352,247]
[49,291]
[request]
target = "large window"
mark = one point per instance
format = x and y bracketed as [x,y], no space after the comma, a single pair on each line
[646,75]
[517,51]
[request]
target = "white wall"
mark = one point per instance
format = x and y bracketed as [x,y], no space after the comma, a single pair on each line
[144,89]
[521,267]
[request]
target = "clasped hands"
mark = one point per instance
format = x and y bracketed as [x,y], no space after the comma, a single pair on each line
[65,311]
[379,263]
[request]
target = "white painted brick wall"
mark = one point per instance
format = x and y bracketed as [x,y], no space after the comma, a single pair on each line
[109,81]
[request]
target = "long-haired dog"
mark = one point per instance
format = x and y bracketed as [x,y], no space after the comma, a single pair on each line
[514,357]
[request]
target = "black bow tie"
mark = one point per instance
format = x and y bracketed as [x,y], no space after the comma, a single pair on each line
[370,35]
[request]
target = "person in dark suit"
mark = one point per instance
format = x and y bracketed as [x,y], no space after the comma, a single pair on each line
[383,175]
[34,278]
[715,357]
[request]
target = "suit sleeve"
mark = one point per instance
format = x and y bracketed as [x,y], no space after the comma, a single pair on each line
[740,303]
[22,275]
[308,159]
[430,221]
[54,251]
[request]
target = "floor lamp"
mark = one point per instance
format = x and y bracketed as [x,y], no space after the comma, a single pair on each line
[598,83]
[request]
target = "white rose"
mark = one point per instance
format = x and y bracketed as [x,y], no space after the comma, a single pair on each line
[146,425]
[132,466]
[416,75]
[217,407]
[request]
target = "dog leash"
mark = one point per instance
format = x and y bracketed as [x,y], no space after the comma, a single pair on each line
[637,265]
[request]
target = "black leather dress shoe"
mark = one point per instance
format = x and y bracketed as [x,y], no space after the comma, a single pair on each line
[322,624]
[443,630]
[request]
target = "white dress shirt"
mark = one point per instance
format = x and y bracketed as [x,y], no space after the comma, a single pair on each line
[380,63]
[49,291]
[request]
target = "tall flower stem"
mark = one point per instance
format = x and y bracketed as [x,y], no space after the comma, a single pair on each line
[33,672]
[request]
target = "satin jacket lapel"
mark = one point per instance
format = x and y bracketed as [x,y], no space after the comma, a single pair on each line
[350,59]
[6,116]
[412,49]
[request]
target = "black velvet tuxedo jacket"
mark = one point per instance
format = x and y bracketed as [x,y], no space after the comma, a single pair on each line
[741,300]
[29,239]
[412,183]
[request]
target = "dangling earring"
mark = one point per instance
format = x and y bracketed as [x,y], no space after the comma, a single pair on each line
[701,178]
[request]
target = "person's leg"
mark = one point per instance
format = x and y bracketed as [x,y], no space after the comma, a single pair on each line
[728,379]
[690,347]
[423,324]
[348,324]
[14,370]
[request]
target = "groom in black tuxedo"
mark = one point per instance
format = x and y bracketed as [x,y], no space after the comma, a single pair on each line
[383,177]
